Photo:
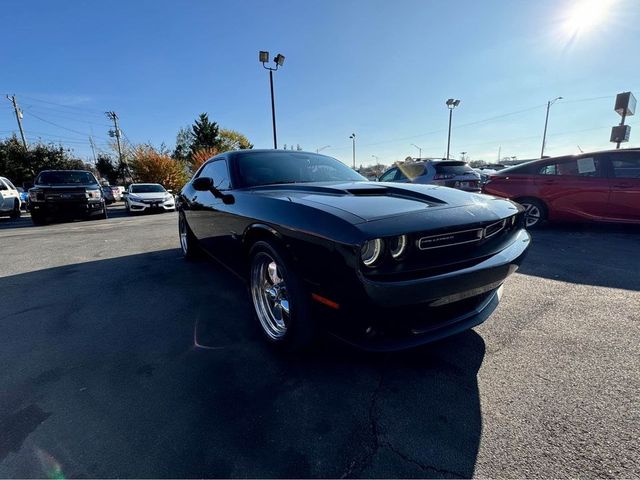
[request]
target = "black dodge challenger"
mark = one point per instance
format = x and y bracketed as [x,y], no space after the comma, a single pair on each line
[383,266]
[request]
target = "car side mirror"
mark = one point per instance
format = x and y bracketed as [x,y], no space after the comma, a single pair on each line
[169,191]
[205,184]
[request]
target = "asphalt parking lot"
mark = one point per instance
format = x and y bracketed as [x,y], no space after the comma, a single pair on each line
[121,359]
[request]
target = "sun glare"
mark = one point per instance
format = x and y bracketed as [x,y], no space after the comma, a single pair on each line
[584,15]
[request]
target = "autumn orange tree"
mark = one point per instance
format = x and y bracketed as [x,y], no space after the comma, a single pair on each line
[151,166]
[201,155]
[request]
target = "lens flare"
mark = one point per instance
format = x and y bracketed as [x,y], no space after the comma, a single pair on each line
[587,14]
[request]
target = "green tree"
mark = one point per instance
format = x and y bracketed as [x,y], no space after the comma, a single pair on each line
[184,140]
[233,140]
[205,134]
[21,166]
[106,168]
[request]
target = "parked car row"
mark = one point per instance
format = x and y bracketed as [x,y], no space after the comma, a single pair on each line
[73,194]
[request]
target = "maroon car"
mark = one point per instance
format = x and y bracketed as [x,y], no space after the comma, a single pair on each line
[599,186]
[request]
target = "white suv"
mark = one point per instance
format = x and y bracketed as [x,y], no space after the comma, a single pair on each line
[148,197]
[10,202]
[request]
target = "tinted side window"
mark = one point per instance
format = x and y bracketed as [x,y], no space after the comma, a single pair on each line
[626,166]
[576,167]
[10,185]
[218,171]
[389,176]
[3,186]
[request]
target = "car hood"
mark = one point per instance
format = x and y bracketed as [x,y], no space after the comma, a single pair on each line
[375,201]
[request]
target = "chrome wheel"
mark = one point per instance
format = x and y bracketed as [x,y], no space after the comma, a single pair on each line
[532,215]
[184,241]
[269,295]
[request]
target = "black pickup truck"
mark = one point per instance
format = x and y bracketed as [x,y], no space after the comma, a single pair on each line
[66,194]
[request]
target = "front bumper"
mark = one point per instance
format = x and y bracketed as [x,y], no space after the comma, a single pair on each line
[160,206]
[451,286]
[67,209]
[404,314]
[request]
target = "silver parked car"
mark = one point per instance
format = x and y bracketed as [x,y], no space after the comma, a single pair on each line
[447,173]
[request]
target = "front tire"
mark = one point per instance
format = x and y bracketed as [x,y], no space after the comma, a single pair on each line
[280,301]
[38,219]
[535,213]
[188,241]
[15,213]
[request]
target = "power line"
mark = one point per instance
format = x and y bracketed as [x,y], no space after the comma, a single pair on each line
[72,107]
[84,134]
[55,113]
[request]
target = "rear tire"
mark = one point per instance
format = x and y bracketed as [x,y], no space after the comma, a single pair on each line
[535,214]
[281,303]
[15,213]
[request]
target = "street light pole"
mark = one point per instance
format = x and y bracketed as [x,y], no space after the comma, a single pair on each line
[546,122]
[419,150]
[279,61]
[451,104]
[353,137]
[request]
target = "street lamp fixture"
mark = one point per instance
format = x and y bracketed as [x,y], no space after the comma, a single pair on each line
[419,150]
[451,104]
[278,60]
[353,137]
[546,122]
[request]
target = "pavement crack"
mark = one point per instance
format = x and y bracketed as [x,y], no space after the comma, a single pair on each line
[440,473]
[376,444]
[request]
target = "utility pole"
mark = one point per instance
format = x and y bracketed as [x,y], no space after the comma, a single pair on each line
[113,116]
[93,149]
[16,109]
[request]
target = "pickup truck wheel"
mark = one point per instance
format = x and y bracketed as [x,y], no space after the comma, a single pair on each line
[280,301]
[15,213]
[38,219]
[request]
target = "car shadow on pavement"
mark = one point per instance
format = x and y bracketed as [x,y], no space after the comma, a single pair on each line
[151,366]
[590,254]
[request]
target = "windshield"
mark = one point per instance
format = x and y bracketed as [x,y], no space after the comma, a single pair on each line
[69,177]
[266,168]
[155,188]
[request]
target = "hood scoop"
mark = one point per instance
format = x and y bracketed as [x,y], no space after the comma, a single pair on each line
[364,192]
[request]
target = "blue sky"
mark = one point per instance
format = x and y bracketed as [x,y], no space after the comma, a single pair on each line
[381,69]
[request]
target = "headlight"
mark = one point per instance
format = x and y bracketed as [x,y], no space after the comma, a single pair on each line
[33,195]
[94,194]
[167,197]
[371,251]
[398,246]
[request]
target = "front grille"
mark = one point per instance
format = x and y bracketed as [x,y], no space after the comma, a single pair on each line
[450,238]
[153,200]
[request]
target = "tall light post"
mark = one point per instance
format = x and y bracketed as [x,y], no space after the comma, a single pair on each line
[419,150]
[451,104]
[279,61]
[546,122]
[353,137]
[318,150]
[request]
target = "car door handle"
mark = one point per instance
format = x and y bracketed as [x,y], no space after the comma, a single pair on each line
[550,182]
[624,185]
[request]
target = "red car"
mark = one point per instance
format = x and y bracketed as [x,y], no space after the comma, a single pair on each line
[599,186]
